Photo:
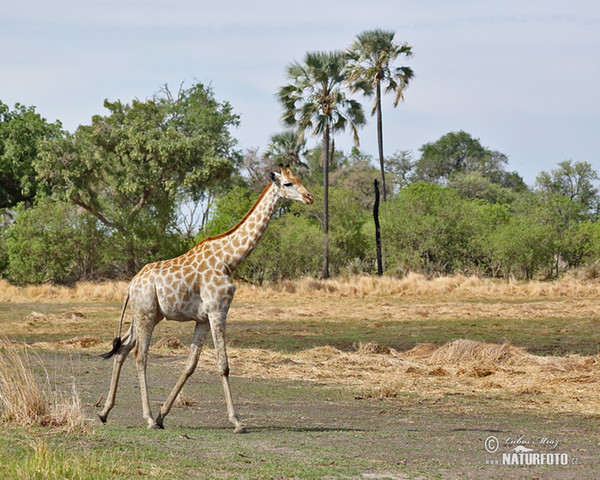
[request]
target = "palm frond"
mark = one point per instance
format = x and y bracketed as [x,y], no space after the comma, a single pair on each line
[371,56]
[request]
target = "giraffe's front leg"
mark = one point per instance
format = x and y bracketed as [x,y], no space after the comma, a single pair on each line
[217,323]
[200,333]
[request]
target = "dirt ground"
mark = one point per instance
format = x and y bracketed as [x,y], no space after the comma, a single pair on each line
[299,426]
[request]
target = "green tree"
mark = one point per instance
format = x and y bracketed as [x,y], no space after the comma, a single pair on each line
[476,185]
[371,58]
[575,181]
[55,242]
[315,100]
[432,229]
[524,246]
[457,152]
[129,168]
[22,130]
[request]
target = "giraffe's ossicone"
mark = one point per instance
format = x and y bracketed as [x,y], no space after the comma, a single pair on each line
[195,286]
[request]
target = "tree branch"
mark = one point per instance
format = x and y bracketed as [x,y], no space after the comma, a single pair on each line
[140,204]
[77,201]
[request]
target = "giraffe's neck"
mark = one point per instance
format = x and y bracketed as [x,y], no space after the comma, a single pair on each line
[234,246]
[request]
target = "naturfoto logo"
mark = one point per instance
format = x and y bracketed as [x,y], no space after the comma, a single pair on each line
[525,451]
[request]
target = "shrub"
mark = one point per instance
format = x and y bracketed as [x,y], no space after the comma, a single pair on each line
[432,229]
[54,242]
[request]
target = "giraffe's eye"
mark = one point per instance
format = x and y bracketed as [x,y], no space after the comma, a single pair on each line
[288,184]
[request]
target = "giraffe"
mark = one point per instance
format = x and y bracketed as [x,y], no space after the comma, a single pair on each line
[195,286]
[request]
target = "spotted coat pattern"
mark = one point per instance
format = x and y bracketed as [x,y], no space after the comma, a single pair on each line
[195,286]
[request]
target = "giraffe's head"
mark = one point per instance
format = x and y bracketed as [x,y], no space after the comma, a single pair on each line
[289,185]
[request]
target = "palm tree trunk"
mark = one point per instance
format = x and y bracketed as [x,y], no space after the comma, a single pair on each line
[325,272]
[380,138]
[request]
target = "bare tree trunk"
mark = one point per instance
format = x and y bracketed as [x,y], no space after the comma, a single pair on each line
[380,139]
[325,272]
[377,229]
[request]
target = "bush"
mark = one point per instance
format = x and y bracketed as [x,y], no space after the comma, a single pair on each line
[54,242]
[292,247]
[432,229]
[525,246]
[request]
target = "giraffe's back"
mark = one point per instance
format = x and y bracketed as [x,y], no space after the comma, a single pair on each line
[169,289]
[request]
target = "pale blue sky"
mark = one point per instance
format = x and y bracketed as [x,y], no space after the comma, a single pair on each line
[522,76]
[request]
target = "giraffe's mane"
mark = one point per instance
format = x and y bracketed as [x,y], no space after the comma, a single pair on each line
[241,222]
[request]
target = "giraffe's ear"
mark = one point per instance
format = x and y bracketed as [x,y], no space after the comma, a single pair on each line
[275,178]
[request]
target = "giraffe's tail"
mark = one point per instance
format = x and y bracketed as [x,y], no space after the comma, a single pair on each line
[117,341]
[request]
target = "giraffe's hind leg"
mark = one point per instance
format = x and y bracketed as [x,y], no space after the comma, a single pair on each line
[144,333]
[200,333]
[127,345]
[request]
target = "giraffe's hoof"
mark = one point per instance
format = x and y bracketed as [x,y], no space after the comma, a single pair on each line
[156,426]
[102,418]
[240,429]
[160,422]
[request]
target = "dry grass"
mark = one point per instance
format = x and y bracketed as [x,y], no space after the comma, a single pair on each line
[84,291]
[76,343]
[462,367]
[413,284]
[172,344]
[21,397]
[25,402]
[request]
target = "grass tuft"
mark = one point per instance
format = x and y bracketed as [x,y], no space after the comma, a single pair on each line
[24,402]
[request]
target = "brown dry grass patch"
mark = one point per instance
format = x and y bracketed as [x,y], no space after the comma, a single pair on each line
[413,284]
[25,402]
[461,367]
[83,291]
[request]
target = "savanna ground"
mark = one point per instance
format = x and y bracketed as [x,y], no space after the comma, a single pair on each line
[355,378]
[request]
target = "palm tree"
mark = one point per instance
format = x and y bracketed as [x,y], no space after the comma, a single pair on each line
[285,147]
[314,100]
[370,58]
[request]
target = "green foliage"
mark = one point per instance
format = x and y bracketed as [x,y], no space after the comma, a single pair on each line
[3,253]
[433,229]
[229,209]
[453,153]
[22,130]
[54,242]
[524,246]
[425,228]
[477,186]
[347,238]
[574,181]
[288,250]
[130,168]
